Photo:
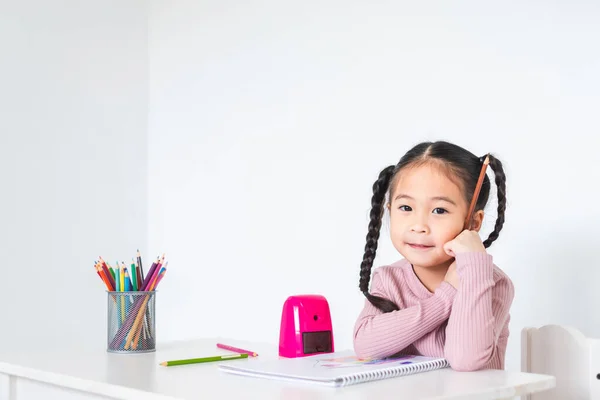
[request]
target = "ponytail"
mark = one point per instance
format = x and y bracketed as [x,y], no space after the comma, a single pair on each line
[380,188]
[496,166]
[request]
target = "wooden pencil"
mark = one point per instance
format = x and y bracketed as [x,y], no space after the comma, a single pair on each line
[476,194]
[140,268]
[134,327]
[137,323]
[109,277]
[133,275]
[149,275]
[101,275]
[204,359]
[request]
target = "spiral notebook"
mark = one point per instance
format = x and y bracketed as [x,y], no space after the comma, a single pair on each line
[334,369]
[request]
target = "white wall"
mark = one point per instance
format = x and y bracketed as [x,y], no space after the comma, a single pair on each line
[73,116]
[270,120]
[268,123]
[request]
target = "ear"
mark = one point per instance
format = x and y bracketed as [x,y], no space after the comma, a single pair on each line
[477,221]
[388,205]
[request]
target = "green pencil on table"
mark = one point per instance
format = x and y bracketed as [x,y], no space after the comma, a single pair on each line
[203,360]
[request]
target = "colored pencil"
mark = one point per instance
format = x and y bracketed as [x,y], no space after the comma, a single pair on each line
[138,277]
[121,289]
[122,277]
[154,277]
[110,269]
[133,277]
[476,194]
[137,323]
[128,283]
[203,360]
[107,273]
[133,320]
[236,350]
[149,275]
[102,276]
[163,271]
[141,268]
[117,278]
[140,324]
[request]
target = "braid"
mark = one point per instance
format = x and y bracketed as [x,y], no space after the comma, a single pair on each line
[496,166]
[380,188]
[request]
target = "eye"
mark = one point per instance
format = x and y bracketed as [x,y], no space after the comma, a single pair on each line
[405,208]
[439,210]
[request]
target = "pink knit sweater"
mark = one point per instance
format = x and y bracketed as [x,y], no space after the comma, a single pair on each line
[468,326]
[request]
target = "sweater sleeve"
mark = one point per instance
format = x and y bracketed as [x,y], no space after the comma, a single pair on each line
[479,315]
[378,334]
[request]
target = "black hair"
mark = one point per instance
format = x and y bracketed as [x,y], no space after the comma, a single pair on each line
[462,165]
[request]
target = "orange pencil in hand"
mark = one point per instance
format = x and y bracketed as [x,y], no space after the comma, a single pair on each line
[476,194]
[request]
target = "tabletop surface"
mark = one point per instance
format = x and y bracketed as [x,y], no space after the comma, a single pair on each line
[139,376]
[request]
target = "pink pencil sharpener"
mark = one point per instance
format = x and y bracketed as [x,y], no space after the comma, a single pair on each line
[306,327]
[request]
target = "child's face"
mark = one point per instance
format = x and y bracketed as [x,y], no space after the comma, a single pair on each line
[427,210]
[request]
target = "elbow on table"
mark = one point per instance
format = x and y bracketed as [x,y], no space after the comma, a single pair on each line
[465,362]
[462,366]
[363,347]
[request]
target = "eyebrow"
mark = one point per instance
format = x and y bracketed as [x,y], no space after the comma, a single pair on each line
[435,198]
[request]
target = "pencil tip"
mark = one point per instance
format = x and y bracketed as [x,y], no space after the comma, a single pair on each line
[164,364]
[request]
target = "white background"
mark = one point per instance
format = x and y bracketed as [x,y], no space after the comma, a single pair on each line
[242,139]
[73,118]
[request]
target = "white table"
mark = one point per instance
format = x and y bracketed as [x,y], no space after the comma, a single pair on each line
[91,373]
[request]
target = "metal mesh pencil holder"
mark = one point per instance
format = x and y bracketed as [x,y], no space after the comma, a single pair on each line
[131,322]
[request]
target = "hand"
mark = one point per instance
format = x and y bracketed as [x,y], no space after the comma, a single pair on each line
[466,242]
[451,275]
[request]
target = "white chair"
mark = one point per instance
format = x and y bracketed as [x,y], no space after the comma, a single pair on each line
[568,355]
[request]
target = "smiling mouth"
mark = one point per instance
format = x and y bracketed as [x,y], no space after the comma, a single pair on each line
[420,246]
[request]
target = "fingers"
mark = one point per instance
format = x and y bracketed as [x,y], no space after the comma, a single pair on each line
[448,248]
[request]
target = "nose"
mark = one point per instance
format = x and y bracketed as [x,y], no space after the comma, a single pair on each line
[419,224]
[419,228]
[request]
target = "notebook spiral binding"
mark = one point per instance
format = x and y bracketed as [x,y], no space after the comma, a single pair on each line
[392,372]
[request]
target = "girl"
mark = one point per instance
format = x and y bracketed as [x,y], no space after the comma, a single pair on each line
[446,298]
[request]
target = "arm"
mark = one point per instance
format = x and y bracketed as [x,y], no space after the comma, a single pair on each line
[479,316]
[378,334]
